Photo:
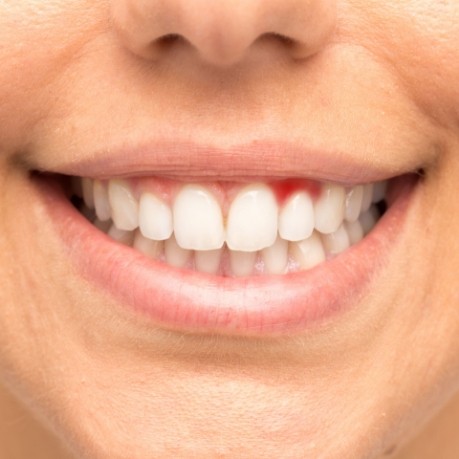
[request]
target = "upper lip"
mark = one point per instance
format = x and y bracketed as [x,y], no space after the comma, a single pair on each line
[188,160]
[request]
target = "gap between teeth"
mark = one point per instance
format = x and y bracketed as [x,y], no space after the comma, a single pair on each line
[256,236]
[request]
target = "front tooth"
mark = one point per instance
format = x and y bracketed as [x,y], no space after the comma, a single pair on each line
[101,203]
[198,220]
[353,205]
[88,192]
[329,209]
[367,197]
[252,219]
[242,263]
[276,257]
[308,253]
[175,255]
[336,242]
[208,261]
[125,210]
[296,220]
[148,247]
[155,218]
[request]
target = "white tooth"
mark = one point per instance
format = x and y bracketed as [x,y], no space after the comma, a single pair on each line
[198,220]
[296,220]
[336,242]
[276,257]
[150,248]
[175,255]
[125,209]
[379,191]
[308,253]
[122,236]
[329,208]
[88,193]
[103,226]
[242,263]
[354,199]
[369,219]
[252,219]
[355,231]
[101,203]
[367,197]
[155,218]
[208,261]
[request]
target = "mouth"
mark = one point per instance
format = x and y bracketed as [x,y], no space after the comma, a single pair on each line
[232,229]
[215,253]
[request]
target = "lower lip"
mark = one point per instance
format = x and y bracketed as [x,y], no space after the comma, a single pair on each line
[189,301]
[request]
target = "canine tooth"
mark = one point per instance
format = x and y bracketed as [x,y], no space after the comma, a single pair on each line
[308,253]
[329,208]
[125,209]
[208,261]
[198,220]
[379,191]
[175,255]
[355,231]
[296,219]
[148,247]
[101,203]
[276,257]
[336,242]
[252,219]
[122,236]
[367,197]
[88,192]
[354,198]
[242,263]
[155,218]
[369,219]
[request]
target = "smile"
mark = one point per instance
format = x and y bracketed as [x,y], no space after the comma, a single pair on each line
[233,229]
[218,250]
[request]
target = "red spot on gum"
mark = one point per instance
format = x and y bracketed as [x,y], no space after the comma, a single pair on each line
[283,189]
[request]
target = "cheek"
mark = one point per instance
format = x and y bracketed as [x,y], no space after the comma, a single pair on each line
[426,55]
[38,40]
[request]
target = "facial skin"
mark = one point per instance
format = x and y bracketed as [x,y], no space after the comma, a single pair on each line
[376,79]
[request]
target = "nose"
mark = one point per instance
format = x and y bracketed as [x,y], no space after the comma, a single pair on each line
[224,32]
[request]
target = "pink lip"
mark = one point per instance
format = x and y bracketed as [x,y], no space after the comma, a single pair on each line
[194,302]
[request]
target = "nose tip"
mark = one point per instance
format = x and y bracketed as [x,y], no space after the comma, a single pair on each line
[223,33]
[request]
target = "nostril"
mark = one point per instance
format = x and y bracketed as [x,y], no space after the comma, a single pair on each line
[283,39]
[169,39]
[276,40]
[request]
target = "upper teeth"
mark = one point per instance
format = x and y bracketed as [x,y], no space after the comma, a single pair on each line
[252,219]
[194,219]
